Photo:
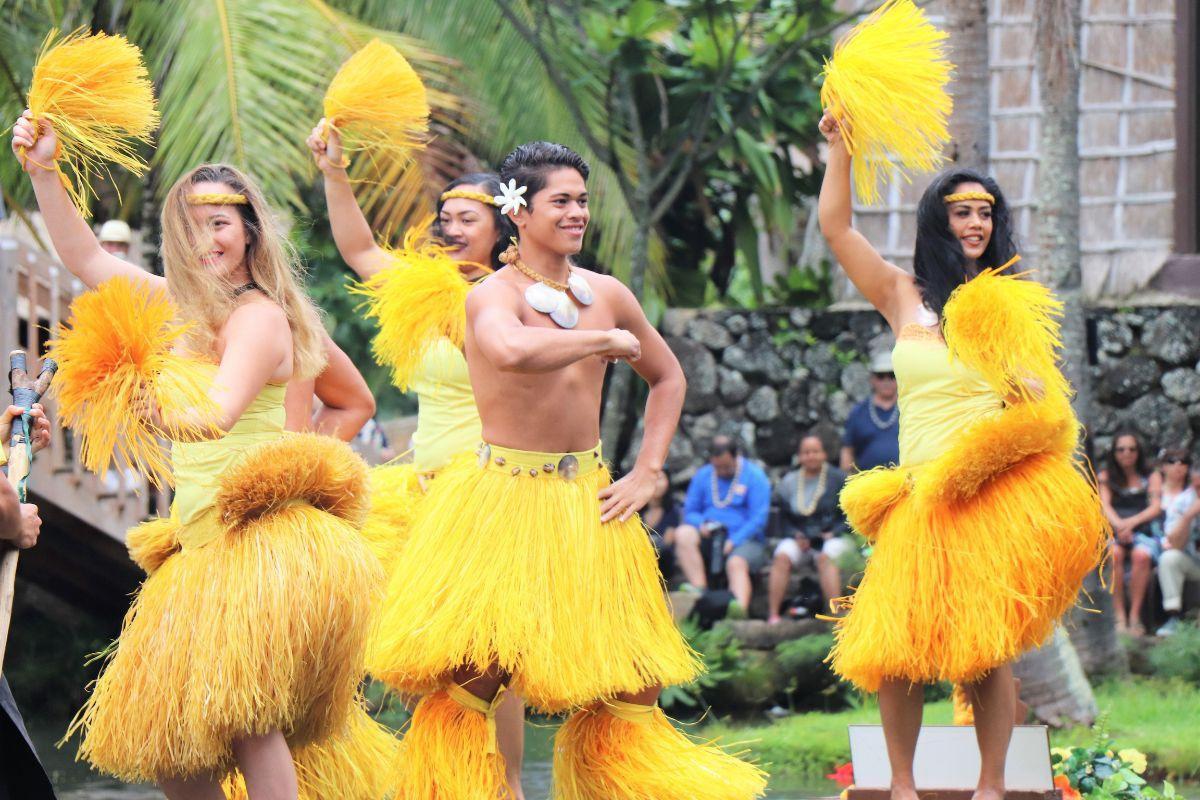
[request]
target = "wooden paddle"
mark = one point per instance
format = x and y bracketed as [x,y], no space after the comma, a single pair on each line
[25,392]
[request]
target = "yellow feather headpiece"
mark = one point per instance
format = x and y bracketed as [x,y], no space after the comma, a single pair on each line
[116,352]
[95,90]
[958,197]
[377,101]
[217,199]
[418,300]
[467,194]
[886,86]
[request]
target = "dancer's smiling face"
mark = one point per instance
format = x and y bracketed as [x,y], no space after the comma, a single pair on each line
[971,221]
[228,236]
[468,227]
[558,215]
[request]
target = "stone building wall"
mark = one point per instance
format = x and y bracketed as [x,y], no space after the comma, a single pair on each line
[1126,140]
[768,376]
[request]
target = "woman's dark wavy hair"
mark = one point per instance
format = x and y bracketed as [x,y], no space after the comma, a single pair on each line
[939,261]
[1115,473]
[490,182]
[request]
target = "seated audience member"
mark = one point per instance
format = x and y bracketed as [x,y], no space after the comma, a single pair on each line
[1180,560]
[872,434]
[1131,494]
[814,523]
[662,517]
[724,522]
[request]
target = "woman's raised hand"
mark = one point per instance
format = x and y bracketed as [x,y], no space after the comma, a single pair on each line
[35,144]
[326,146]
[830,128]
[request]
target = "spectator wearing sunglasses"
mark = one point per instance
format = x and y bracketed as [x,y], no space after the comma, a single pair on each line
[1131,493]
[872,435]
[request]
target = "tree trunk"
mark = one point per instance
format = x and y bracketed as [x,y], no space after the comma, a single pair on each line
[620,384]
[1093,631]
[970,122]
[1056,42]
[1054,685]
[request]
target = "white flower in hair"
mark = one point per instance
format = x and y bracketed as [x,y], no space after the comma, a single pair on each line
[510,198]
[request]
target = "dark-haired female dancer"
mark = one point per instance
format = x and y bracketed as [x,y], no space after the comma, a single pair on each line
[985,531]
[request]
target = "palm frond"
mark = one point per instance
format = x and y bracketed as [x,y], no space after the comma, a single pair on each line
[242,83]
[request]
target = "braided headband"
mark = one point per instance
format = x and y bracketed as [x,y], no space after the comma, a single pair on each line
[467,194]
[958,196]
[217,199]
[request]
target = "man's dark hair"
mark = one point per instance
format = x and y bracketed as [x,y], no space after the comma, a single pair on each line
[530,163]
[723,445]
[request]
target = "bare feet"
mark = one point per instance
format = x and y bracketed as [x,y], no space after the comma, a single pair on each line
[988,793]
[774,619]
[905,791]
[1137,629]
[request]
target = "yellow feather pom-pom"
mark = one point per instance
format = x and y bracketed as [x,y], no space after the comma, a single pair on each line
[1008,328]
[114,354]
[886,86]
[377,101]
[419,300]
[95,90]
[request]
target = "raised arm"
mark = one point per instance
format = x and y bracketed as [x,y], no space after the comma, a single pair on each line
[70,234]
[886,286]
[512,346]
[662,373]
[351,232]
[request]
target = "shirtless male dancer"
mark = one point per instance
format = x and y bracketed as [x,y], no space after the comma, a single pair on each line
[536,571]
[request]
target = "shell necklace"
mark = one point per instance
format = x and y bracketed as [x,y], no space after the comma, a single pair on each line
[723,502]
[549,296]
[882,424]
[807,509]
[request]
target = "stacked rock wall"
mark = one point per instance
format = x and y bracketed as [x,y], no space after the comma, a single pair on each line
[767,376]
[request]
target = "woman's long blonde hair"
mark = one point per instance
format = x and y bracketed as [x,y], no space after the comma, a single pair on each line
[209,298]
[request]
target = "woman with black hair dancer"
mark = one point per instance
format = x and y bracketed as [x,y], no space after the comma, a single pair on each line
[473,233]
[1131,492]
[983,534]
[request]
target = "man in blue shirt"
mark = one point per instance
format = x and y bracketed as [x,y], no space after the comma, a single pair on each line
[728,501]
[872,436]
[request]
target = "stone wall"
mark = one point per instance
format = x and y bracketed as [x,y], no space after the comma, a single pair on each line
[767,376]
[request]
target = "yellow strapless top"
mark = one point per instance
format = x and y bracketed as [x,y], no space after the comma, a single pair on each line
[938,396]
[198,466]
[447,420]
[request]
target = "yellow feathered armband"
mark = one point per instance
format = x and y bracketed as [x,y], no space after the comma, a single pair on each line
[116,357]
[267,480]
[886,86]
[418,300]
[1007,327]
[96,92]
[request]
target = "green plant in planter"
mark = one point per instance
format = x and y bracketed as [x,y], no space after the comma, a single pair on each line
[1101,772]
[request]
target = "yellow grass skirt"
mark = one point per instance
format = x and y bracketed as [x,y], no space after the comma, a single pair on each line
[395,491]
[954,589]
[261,628]
[509,564]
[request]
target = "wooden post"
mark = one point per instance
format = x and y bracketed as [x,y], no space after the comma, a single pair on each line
[25,392]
